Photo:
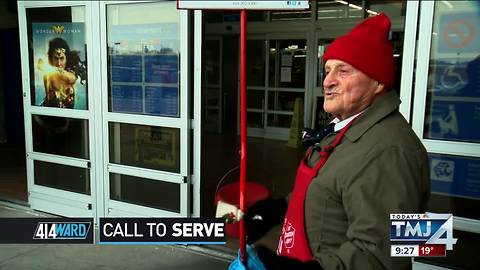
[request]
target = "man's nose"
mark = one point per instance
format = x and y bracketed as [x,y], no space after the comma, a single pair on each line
[330,80]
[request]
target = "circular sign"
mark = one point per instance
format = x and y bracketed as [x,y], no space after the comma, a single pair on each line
[459,33]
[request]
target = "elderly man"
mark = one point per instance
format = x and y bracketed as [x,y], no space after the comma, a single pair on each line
[371,164]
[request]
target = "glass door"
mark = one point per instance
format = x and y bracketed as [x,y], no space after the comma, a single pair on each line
[145,109]
[106,107]
[58,102]
[256,86]
[446,117]
[213,84]
[286,82]
[276,68]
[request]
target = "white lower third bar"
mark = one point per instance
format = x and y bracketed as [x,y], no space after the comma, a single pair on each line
[404,251]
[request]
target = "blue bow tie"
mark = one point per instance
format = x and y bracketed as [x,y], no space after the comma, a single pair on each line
[310,136]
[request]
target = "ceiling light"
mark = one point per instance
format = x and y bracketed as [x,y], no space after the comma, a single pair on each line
[447,4]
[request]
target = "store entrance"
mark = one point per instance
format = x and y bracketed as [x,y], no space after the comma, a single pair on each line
[107,120]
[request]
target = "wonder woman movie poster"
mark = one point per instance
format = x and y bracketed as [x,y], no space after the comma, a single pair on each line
[60,65]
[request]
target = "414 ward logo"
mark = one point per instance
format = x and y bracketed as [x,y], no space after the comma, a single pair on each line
[61,230]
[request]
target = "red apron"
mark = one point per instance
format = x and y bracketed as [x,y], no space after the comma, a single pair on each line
[293,241]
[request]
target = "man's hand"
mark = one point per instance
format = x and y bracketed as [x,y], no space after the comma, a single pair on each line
[262,216]
[272,261]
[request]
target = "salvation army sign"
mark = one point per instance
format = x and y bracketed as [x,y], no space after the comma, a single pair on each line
[258,5]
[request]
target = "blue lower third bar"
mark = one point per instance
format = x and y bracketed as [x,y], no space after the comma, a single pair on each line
[163,231]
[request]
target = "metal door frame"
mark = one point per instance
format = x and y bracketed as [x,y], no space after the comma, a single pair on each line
[96,204]
[43,198]
[419,103]
[113,208]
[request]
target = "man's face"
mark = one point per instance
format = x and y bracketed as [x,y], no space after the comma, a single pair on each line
[58,59]
[347,90]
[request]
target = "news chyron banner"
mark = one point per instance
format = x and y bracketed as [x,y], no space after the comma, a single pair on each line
[162,231]
[112,231]
[46,231]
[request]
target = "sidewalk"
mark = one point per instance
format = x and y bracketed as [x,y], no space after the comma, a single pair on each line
[72,257]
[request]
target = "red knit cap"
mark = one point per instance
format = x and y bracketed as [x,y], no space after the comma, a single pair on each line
[367,48]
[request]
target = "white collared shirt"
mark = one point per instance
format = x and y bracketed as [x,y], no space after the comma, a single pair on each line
[341,124]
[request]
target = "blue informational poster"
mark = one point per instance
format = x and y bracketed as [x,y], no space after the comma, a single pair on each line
[455,77]
[161,101]
[127,98]
[453,120]
[146,56]
[161,69]
[455,175]
[126,68]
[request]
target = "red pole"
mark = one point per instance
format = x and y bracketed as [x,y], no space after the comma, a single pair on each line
[243,129]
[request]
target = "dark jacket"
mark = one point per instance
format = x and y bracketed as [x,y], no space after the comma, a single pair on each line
[379,168]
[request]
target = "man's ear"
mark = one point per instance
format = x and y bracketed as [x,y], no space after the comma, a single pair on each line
[379,88]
